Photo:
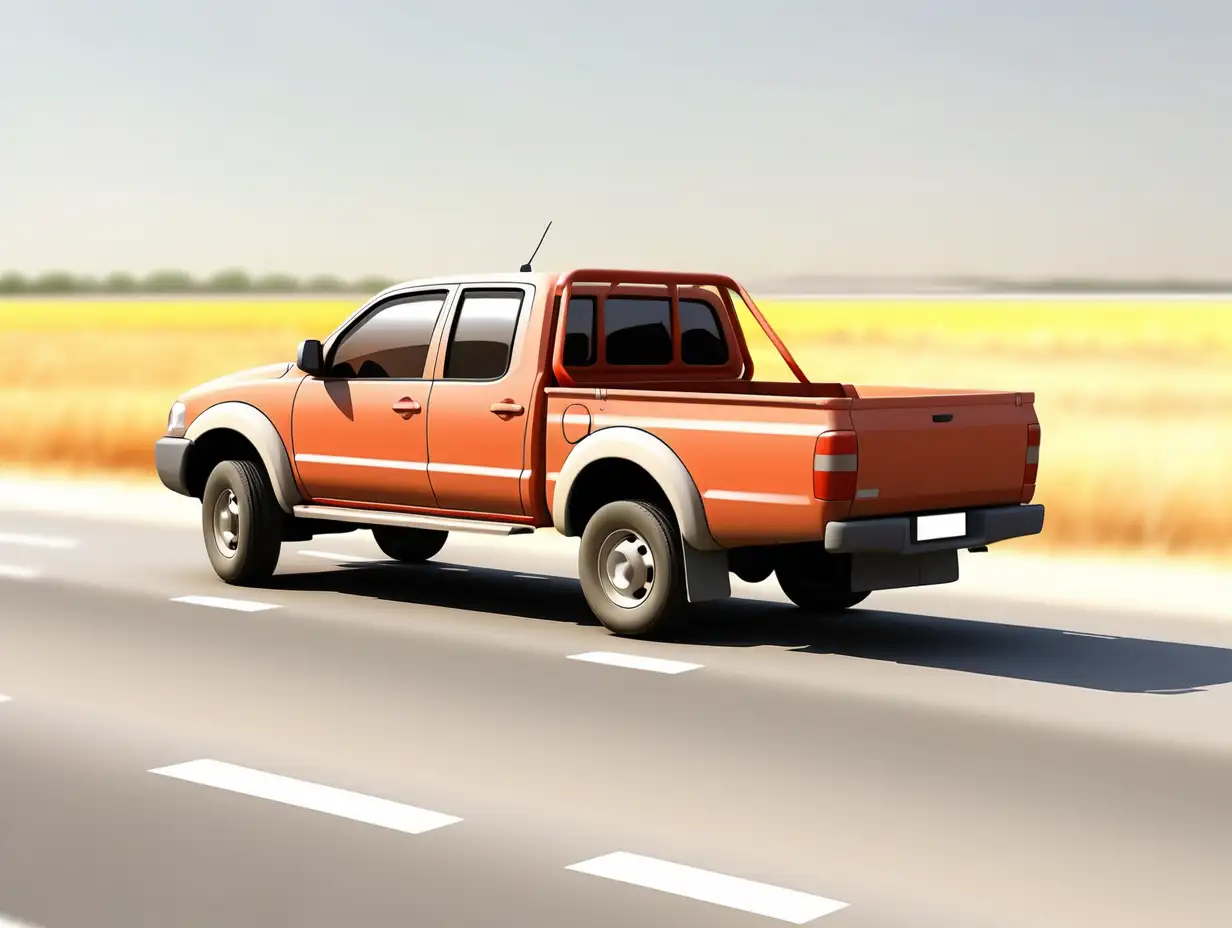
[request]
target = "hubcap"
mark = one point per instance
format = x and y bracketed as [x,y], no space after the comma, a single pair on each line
[227,523]
[626,568]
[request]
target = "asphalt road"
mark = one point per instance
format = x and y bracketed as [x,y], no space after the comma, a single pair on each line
[929,760]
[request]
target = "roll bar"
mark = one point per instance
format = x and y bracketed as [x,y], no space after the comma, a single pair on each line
[673,280]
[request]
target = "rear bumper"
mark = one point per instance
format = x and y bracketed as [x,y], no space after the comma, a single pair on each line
[894,534]
[171,462]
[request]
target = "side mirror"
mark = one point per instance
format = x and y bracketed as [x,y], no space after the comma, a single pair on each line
[311,358]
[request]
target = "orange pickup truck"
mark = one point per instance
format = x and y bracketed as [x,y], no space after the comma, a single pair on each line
[615,406]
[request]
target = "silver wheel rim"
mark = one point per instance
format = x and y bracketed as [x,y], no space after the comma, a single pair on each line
[626,568]
[227,523]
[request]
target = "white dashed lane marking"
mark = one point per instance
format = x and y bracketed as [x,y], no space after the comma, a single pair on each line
[332,556]
[17,572]
[37,541]
[220,602]
[7,921]
[635,662]
[3,700]
[787,905]
[342,803]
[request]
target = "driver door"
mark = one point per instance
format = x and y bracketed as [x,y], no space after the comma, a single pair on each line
[359,435]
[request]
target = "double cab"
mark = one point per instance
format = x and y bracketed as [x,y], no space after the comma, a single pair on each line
[615,406]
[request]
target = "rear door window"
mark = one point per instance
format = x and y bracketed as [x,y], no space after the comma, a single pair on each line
[483,330]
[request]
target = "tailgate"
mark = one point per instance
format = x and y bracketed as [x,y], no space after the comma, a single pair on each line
[930,452]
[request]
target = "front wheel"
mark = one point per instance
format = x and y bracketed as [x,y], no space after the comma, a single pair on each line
[631,567]
[409,545]
[242,523]
[818,582]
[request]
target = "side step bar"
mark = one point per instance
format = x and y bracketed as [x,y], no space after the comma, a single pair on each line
[410,520]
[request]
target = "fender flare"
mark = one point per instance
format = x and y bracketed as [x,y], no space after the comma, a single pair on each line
[655,457]
[255,426]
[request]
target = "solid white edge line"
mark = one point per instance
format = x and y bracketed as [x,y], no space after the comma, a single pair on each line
[17,572]
[371,810]
[37,541]
[635,662]
[333,556]
[787,905]
[221,602]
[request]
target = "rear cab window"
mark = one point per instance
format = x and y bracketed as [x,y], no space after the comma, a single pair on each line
[625,334]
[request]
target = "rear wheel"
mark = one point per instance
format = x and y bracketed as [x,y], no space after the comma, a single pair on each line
[241,522]
[631,567]
[409,545]
[816,581]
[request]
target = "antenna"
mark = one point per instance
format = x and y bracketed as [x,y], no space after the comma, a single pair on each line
[526,268]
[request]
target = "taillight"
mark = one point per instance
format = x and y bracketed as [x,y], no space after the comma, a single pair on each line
[1033,446]
[835,466]
[1031,471]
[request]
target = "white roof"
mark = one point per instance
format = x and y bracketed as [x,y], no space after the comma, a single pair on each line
[536,278]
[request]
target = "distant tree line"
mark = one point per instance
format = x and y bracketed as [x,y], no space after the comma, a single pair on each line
[13,283]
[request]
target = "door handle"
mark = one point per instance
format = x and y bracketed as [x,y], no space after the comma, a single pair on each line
[406,407]
[507,408]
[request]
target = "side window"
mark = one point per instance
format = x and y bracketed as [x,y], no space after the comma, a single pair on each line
[637,330]
[392,341]
[483,330]
[580,332]
[701,338]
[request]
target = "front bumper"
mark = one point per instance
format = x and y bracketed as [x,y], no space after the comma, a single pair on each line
[171,462]
[894,534]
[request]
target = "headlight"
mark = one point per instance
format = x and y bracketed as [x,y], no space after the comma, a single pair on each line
[175,418]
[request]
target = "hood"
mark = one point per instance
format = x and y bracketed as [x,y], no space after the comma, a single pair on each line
[264,372]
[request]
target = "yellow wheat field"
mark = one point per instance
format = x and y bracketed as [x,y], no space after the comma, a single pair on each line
[1135,396]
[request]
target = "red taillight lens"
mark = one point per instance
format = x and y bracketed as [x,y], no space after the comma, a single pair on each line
[1033,446]
[835,466]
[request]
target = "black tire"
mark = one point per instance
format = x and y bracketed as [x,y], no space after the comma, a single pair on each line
[640,530]
[409,545]
[817,582]
[248,553]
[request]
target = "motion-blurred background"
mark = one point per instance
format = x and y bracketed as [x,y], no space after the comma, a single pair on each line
[958,195]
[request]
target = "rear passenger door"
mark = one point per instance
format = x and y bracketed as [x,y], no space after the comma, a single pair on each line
[480,403]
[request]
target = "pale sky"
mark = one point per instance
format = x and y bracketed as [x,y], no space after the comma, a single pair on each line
[757,138]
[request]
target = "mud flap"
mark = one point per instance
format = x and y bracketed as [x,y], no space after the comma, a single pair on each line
[706,575]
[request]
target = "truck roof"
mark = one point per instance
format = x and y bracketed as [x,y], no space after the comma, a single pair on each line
[537,278]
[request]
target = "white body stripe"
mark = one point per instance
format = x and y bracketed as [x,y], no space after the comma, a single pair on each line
[360,462]
[472,470]
[772,499]
[711,425]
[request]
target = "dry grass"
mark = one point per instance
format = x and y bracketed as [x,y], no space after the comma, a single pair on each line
[1135,398]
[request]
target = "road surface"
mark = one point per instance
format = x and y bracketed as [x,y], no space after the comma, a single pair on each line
[365,744]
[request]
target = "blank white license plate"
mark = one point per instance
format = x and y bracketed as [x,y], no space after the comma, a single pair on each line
[946,525]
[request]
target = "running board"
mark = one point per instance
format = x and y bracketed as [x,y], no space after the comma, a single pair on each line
[410,520]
